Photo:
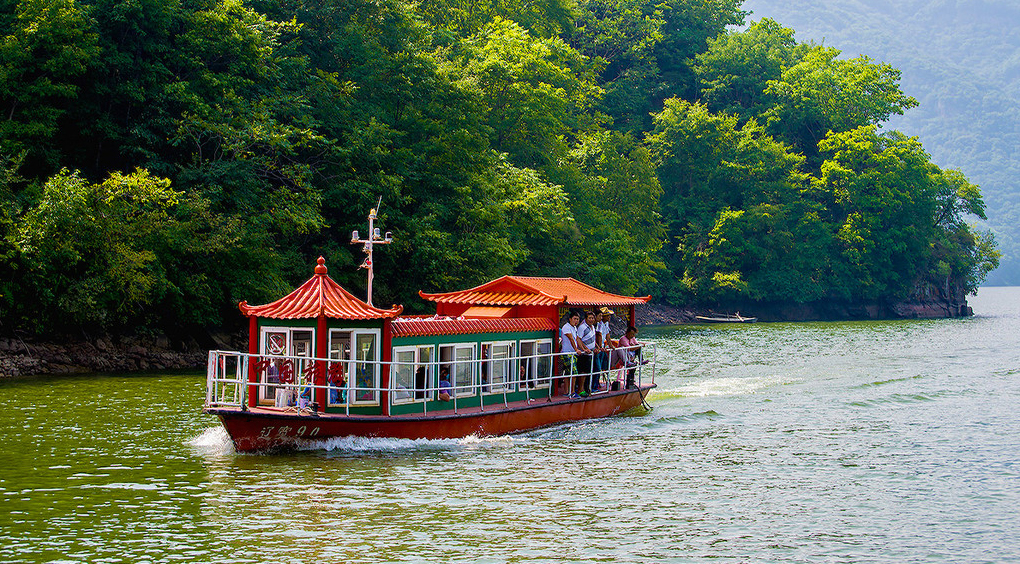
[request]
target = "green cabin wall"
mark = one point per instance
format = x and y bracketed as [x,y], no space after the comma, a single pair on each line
[434,340]
[475,339]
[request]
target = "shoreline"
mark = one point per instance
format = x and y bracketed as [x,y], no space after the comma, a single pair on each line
[24,357]
[662,314]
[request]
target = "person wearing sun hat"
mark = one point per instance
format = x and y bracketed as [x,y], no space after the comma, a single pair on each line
[603,341]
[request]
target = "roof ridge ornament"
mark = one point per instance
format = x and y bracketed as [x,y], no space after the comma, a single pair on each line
[320,267]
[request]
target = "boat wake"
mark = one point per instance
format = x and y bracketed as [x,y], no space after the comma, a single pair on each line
[723,387]
[359,445]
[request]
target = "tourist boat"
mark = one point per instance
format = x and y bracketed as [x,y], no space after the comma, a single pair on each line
[726,318]
[322,363]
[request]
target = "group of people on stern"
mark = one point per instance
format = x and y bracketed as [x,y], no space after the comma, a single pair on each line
[589,351]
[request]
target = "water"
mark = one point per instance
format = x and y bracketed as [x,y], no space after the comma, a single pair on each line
[815,442]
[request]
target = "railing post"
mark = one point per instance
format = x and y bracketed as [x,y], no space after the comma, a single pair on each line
[241,388]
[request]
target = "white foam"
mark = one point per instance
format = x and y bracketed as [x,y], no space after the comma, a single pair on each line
[382,444]
[214,441]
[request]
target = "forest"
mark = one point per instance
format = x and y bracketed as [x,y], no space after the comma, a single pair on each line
[961,59]
[162,160]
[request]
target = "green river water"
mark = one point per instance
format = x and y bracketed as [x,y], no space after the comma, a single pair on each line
[855,442]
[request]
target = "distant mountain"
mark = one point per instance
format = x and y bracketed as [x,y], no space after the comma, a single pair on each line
[961,60]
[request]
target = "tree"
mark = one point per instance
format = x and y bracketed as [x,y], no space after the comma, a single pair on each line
[881,201]
[615,203]
[821,93]
[737,66]
[44,46]
[711,169]
[542,18]
[645,49]
[89,249]
[537,92]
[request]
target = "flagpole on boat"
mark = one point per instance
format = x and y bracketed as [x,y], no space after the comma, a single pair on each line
[374,238]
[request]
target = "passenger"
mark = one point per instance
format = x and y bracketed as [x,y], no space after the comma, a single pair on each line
[603,340]
[445,387]
[632,355]
[569,346]
[420,383]
[586,334]
[485,369]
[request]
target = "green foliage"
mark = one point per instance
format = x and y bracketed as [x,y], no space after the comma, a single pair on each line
[88,247]
[542,18]
[737,67]
[637,145]
[616,206]
[821,93]
[43,48]
[963,75]
[645,49]
[537,92]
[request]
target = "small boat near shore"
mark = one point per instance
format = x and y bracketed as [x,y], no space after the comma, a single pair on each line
[322,364]
[726,318]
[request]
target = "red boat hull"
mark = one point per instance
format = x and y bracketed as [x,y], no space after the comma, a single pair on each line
[265,429]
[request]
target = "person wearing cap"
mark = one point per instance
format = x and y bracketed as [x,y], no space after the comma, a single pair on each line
[604,342]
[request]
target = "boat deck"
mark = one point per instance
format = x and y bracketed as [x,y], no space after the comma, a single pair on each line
[447,411]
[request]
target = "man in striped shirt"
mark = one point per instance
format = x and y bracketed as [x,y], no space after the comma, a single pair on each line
[586,336]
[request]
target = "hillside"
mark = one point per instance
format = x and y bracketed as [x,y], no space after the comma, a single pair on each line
[961,60]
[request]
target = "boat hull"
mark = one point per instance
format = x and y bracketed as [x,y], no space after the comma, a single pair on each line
[264,430]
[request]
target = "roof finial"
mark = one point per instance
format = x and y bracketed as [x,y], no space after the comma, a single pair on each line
[321,267]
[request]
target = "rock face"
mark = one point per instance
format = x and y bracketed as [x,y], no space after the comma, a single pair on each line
[20,357]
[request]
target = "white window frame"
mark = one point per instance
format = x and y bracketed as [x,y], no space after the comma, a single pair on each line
[533,364]
[508,375]
[264,386]
[416,363]
[351,363]
[376,373]
[472,389]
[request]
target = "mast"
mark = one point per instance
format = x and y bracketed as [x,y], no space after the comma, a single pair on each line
[374,238]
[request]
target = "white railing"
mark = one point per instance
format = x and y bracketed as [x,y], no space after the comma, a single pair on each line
[227,383]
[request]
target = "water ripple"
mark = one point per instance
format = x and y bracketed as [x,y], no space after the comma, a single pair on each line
[817,442]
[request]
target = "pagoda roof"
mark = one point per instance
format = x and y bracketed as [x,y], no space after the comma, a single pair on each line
[532,290]
[319,296]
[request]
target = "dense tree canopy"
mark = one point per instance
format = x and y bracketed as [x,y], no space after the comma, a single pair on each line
[163,161]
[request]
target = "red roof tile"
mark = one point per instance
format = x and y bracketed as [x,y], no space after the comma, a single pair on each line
[529,290]
[424,326]
[320,295]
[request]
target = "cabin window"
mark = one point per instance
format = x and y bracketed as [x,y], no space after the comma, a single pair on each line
[274,343]
[411,374]
[423,374]
[535,366]
[355,367]
[403,375]
[366,368]
[459,360]
[339,367]
[497,377]
[279,346]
